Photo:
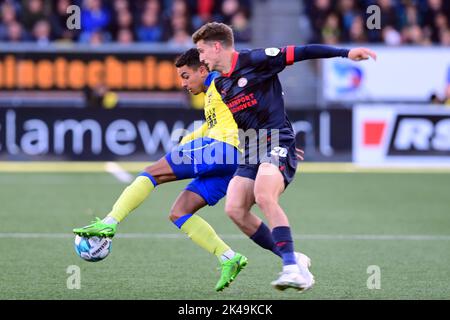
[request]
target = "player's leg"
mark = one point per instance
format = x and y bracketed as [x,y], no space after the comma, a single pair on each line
[200,192]
[132,196]
[176,165]
[240,199]
[158,173]
[269,184]
[182,214]
[182,163]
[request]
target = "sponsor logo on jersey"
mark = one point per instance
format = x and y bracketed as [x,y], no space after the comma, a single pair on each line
[272,52]
[242,82]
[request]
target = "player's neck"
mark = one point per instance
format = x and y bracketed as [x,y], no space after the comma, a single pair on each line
[228,61]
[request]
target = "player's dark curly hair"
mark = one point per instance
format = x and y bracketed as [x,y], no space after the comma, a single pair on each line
[190,58]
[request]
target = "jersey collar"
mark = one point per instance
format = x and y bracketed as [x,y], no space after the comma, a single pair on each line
[233,64]
[211,76]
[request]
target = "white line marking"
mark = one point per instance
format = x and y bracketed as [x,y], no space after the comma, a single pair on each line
[118,172]
[15,235]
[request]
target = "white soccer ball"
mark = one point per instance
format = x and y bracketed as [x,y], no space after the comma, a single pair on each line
[92,249]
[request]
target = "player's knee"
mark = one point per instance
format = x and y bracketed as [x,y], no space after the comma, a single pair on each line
[175,214]
[264,200]
[235,213]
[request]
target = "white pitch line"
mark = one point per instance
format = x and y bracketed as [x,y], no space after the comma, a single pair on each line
[13,235]
[118,172]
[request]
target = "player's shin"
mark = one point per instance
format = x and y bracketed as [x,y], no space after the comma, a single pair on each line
[132,196]
[263,238]
[204,236]
[283,240]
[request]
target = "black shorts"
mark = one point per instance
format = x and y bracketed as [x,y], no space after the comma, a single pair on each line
[281,154]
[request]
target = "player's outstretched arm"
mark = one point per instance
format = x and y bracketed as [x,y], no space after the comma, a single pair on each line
[358,54]
[320,51]
[198,133]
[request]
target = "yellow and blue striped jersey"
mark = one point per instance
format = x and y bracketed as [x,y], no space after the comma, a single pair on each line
[220,124]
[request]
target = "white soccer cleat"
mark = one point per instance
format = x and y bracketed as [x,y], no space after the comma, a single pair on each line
[302,259]
[304,263]
[290,279]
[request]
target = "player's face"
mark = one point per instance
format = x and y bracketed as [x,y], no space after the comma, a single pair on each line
[193,80]
[209,54]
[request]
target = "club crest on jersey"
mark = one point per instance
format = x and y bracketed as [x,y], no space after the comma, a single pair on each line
[242,82]
[272,52]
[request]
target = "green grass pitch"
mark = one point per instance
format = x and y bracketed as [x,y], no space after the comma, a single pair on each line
[345,222]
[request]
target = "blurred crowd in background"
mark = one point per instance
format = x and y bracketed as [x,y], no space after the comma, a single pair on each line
[416,22]
[121,21]
[419,22]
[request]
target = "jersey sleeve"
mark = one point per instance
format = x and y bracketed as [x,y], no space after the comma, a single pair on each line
[200,132]
[272,59]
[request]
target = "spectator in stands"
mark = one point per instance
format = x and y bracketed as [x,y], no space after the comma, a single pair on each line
[8,12]
[177,21]
[147,20]
[125,36]
[94,19]
[330,33]
[391,36]
[123,19]
[241,26]
[32,13]
[41,32]
[417,22]
[318,12]
[204,11]
[150,29]
[181,39]
[98,37]
[180,31]
[229,9]
[8,16]
[434,7]
[58,22]
[444,37]
[358,31]
[120,5]
[348,13]
[16,33]
[415,35]
[410,15]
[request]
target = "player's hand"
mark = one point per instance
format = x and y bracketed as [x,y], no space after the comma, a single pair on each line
[300,154]
[358,54]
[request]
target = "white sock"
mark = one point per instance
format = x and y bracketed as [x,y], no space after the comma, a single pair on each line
[227,255]
[109,220]
[291,268]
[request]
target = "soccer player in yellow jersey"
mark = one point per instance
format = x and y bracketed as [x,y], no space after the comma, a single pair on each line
[209,155]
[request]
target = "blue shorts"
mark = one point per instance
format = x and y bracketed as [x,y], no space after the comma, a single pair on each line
[210,162]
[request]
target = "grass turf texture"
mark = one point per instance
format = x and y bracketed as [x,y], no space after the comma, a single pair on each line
[162,263]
